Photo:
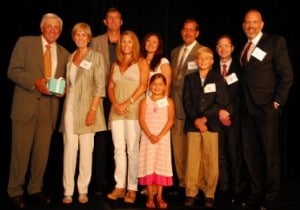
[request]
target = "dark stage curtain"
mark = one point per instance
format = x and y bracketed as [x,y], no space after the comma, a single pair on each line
[216,17]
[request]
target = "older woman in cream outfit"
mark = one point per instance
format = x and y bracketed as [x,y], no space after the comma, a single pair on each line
[83,112]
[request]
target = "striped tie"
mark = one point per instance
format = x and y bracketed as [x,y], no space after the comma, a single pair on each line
[47,62]
[180,64]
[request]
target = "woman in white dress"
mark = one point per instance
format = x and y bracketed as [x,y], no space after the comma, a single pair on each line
[152,50]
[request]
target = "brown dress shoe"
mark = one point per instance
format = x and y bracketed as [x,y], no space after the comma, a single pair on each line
[18,202]
[130,196]
[117,193]
[209,203]
[189,201]
[41,197]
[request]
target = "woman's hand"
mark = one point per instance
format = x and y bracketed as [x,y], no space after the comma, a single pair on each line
[91,117]
[120,109]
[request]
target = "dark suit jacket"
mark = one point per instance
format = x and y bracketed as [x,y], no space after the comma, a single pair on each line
[268,80]
[177,85]
[234,89]
[198,103]
[25,67]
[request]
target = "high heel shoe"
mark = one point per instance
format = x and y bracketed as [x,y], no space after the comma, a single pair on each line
[150,204]
[161,204]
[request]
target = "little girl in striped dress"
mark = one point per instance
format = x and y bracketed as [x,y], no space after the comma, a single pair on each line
[156,117]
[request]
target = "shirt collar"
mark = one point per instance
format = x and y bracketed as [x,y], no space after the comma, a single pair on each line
[190,46]
[44,43]
[227,63]
[256,39]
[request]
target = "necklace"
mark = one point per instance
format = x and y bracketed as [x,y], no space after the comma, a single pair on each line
[155,99]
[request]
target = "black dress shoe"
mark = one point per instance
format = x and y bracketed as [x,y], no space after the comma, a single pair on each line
[209,203]
[18,202]
[189,202]
[177,191]
[267,206]
[101,190]
[237,199]
[223,195]
[253,201]
[41,197]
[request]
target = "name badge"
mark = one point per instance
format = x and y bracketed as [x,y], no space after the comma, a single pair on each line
[259,53]
[162,102]
[231,78]
[210,88]
[85,64]
[192,65]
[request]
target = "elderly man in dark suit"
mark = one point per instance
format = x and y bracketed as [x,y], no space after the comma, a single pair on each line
[34,109]
[266,80]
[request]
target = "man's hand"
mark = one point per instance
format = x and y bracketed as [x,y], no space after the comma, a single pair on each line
[200,123]
[224,117]
[41,85]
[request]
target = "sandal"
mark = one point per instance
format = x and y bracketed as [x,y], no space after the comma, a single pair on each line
[83,198]
[161,204]
[67,199]
[150,204]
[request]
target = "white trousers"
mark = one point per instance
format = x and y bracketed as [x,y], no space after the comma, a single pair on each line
[73,142]
[126,138]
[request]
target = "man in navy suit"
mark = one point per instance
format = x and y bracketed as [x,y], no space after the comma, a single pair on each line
[266,81]
[231,182]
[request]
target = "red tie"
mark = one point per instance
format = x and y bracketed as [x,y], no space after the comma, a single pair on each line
[244,57]
[224,71]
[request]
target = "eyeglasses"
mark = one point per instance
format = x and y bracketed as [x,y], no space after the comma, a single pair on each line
[224,46]
[188,29]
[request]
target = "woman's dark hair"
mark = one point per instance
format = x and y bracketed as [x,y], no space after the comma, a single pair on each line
[159,52]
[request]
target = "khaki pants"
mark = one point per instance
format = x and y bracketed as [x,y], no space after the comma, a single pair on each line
[202,163]
[179,150]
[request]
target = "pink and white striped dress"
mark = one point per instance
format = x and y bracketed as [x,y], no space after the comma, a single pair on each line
[155,163]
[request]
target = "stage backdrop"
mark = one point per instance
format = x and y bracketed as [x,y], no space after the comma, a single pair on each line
[216,17]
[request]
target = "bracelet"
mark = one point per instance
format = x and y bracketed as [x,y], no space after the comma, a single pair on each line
[131,100]
[93,108]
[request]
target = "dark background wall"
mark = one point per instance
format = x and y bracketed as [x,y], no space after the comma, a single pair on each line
[22,17]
